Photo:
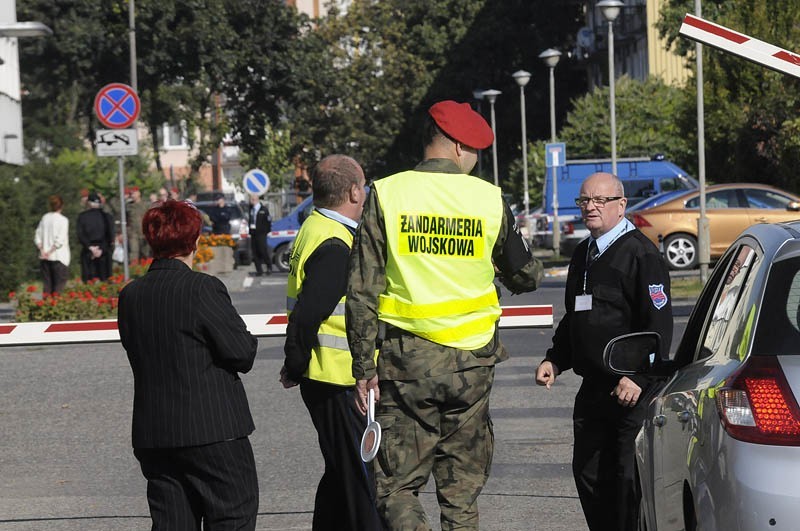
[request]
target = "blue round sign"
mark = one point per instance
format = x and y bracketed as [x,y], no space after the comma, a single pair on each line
[256,182]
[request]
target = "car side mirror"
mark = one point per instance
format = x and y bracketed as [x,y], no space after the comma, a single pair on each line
[631,354]
[793,206]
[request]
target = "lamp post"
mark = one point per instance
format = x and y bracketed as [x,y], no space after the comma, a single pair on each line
[24,29]
[478,95]
[551,58]
[703,236]
[522,77]
[610,10]
[491,95]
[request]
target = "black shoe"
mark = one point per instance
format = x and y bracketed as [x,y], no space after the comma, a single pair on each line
[269,271]
[259,274]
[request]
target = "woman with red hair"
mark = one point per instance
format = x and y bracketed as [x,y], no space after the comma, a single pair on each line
[187,345]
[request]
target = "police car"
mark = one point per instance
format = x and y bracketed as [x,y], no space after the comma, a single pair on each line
[284,231]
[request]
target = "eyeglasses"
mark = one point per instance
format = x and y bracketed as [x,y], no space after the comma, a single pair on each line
[599,201]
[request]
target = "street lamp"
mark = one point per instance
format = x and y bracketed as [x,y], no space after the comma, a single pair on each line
[478,95]
[491,95]
[551,58]
[24,29]
[522,77]
[703,236]
[610,10]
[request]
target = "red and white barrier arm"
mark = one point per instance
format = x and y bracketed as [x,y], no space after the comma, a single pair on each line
[731,41]
[260,325]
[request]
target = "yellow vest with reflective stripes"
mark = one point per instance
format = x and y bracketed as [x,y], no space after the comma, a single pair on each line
[440,232]
[331,361]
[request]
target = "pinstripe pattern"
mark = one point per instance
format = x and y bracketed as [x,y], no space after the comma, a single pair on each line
[216,483]
[186,345]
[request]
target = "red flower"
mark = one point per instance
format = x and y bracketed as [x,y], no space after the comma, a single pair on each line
[30,289]
[12,294]
[39,303]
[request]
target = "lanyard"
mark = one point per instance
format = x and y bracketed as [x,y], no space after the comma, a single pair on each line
[599,252]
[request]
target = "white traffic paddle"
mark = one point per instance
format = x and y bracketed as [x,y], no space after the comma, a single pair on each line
[371,440]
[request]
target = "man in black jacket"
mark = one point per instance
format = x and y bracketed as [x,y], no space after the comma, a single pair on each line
[96,233]
[617,284]
[187,345]
[260,225]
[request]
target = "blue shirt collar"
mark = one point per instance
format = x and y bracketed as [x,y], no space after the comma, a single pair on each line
[604,241]
[338,217]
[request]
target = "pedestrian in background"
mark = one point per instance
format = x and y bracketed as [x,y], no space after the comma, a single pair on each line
[187,346]
[422,268]
[52,240]
[316,347]
[137,245]
[617,284]
[260,225]
[95,229]
[220,216]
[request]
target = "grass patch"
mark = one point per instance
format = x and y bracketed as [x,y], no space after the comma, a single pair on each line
[686,287]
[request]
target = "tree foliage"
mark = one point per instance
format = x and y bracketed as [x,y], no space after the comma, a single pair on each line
[751,112]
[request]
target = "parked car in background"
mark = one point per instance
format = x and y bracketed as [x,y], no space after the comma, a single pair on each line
[284,231]
[654,200]
[720,443]
[730,209]
[240,231]
[572,233]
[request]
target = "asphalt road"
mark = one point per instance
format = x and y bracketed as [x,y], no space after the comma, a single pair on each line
[66,461]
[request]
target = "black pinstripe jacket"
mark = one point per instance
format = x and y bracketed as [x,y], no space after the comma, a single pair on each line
[186,345]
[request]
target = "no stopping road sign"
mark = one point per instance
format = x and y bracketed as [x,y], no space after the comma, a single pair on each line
[117,106]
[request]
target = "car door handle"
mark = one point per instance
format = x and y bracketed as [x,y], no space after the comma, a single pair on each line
[760,220]
[659,420]
[684,416]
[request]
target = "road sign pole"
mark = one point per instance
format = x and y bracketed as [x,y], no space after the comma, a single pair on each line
[122,217]
[556,224]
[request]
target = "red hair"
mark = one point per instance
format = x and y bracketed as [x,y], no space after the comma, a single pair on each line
[172,228]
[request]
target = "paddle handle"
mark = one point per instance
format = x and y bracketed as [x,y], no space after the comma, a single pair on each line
[371,408]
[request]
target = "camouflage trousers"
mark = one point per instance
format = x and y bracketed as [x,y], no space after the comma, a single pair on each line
[438,425]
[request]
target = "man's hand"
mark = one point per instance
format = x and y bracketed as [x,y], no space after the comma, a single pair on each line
[627,392]
[285,380]
[546,373]
[362,393]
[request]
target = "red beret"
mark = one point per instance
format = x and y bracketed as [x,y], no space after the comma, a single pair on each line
[462,124]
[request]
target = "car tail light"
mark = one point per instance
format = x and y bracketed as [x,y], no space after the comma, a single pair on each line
[639,221]
[568,228]
[758,406]
[244,230]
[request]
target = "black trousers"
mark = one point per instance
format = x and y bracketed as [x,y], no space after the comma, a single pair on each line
[215,483]
[603,457]
[345,499]
[262,254]
[54,275]
[95,267]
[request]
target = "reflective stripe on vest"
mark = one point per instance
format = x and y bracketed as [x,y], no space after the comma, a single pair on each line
[439,271]
[330,361]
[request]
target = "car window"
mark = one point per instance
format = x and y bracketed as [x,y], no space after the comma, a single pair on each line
[638,189]
[674,183]
[778,332]
[722,325]
[716,199]
[757,198]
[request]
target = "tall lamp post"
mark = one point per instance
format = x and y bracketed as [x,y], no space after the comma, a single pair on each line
[478,95]
[551,58]
[610,10]
[491,95]
[703,236]
[522,77]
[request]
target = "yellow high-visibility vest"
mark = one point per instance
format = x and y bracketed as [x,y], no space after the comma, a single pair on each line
[331,361]
[439,271]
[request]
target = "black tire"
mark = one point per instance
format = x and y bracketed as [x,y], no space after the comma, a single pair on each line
[280,257]
[681,252]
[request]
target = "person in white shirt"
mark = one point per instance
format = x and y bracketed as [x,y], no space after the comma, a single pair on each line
[52,240]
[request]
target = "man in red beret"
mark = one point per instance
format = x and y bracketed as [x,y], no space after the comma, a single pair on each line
[421,287]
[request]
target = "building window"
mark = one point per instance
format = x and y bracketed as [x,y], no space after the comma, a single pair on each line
[174,136]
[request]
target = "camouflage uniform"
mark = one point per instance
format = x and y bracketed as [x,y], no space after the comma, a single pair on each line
[137,245]
[434,407]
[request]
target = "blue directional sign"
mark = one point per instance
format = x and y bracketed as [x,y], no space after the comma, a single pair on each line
[117,106]
[256,182]
[555,155]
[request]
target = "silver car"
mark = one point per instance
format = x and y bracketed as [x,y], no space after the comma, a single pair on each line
[720,445]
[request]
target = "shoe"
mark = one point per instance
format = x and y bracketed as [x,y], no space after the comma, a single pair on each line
[259,274]
[269,271]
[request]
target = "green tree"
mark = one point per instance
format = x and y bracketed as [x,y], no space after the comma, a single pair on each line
[751,112]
